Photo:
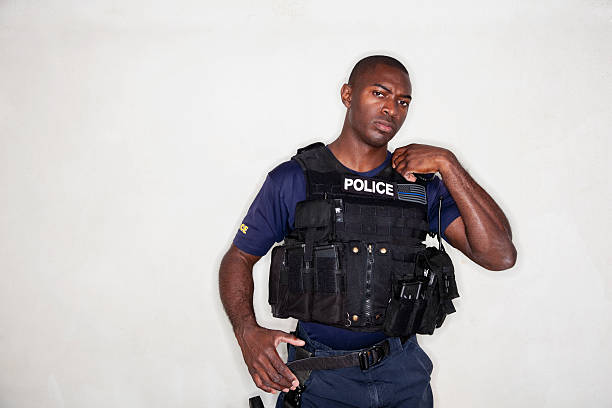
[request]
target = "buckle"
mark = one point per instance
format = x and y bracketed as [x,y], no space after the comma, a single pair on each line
[370,357]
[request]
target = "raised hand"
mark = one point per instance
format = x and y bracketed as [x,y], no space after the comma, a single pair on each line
[419,158]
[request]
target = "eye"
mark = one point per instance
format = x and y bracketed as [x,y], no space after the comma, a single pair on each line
[404,103]
[377,93]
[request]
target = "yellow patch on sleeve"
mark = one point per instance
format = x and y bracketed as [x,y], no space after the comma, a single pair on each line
[243,228]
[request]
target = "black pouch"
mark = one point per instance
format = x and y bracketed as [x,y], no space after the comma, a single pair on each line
[276,270]
[420,305]
[429,320]
[329,285]
[290,283]
[406,307]
[440,291]
[313,291]
[314,220]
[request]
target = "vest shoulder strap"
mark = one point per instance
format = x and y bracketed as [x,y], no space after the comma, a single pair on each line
[316,160]
[310,147]
[317,157]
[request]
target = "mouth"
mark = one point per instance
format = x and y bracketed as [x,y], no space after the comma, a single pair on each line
[384,126]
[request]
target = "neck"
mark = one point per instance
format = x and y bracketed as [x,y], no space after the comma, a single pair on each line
[353,153]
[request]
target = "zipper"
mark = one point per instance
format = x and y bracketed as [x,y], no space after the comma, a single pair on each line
[367,306]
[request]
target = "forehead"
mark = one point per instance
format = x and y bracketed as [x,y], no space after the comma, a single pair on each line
[386,75]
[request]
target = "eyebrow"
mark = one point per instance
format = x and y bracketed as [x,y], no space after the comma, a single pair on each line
[388,90]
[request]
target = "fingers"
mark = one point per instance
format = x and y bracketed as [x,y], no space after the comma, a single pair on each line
[399,159]
[400,153]
[280,366]
[291,339]
[404,168]
[267,369]
[406,163]
[268,379]
[261,384]
[410,177]
[395,159]
[284,371]
[272,373]
[278,371]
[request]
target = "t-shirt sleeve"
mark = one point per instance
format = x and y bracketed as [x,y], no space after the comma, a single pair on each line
[435,190]
[271,215]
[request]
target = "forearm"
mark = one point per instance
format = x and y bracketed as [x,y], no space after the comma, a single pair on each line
[236,289]
[258,345]
[487,229]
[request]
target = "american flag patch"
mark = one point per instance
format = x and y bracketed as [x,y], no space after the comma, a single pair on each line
[412,192]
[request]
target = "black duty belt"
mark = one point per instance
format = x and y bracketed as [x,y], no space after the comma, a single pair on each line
[365,359]
[304,363]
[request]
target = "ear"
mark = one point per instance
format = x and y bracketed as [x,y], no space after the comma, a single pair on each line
[345,95]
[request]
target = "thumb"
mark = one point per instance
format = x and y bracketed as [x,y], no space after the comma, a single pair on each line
[288,338]
[410,176]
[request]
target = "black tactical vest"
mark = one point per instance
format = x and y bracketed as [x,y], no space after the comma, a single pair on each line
[355,241]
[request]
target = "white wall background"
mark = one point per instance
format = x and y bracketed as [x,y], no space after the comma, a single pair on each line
[134,134]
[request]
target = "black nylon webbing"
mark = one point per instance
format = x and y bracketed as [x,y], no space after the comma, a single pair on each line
[331,363]
[325,363]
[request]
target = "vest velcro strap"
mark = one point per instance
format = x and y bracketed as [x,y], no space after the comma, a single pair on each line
[308,247]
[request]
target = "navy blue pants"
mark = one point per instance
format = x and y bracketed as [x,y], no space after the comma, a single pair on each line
[401,379]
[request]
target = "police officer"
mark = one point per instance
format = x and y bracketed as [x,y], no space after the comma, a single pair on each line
[377,97]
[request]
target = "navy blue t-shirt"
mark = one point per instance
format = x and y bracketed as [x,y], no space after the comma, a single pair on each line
[270,218]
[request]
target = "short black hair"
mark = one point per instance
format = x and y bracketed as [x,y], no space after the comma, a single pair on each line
[367,63]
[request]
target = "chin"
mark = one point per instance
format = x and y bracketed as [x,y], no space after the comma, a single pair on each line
[377,139]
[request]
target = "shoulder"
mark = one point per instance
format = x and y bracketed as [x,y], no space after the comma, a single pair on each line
[285,182]
[286,170]
[436,190]
[434,187]
[287,176]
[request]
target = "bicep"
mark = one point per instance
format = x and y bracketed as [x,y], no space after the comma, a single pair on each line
[247,258]
[235,255]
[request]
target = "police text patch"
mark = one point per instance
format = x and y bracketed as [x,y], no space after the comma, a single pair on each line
[368,186]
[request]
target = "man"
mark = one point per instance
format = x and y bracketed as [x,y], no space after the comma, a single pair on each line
[376,97]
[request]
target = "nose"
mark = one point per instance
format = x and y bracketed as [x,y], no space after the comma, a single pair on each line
[388,107]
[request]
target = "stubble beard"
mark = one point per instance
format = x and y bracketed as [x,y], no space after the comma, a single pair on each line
[375,139]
